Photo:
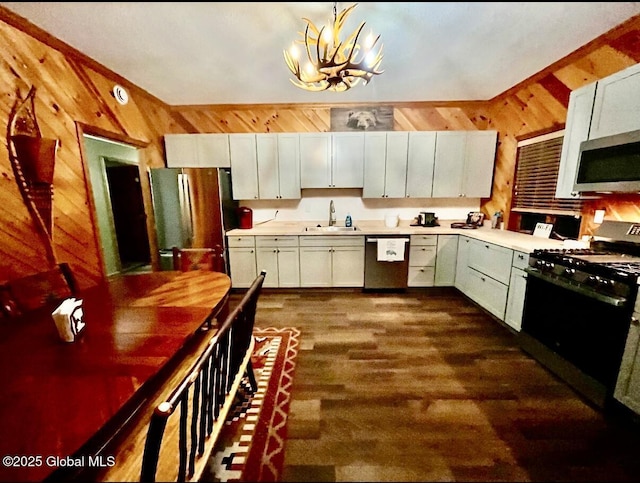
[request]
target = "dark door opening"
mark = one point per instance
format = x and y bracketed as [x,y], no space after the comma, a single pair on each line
[128,214]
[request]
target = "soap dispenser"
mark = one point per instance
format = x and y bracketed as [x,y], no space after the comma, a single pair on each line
[348,222]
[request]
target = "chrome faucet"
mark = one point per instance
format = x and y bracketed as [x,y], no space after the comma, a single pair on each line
[332,214]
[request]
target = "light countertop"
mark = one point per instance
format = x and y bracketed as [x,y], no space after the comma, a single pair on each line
[509,239]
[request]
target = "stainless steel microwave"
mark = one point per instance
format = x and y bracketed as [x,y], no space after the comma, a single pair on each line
[609,164]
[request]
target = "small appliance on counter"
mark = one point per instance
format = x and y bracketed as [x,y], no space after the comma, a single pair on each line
[474,220]
[426,218]
[245,218]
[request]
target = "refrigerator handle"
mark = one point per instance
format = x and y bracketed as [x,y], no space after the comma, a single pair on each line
[186,208]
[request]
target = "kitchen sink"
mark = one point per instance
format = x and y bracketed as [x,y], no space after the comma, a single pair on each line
[331,228]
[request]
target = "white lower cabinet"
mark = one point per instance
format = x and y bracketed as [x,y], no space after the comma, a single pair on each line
[422,260]
[279,256]
[485,269]
[242,261]
[627,389]
[331,261]
[487,292]
[462,269]
[446,258]
[517,289]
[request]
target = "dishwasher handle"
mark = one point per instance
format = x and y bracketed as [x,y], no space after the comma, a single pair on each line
[375,240]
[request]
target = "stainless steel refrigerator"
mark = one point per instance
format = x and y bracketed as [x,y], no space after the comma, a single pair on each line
[193,208]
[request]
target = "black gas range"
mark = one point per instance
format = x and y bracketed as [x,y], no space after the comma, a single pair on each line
[578,308]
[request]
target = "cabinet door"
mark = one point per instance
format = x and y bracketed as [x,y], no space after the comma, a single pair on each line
[267,259]
[348,266]
[375,154]
[480,154]
[289,166]
[487,292]
[448,167]
[576,130]
[627,389]
[315,266]
[244,166]
[395,182]
[288,267]
[515,299]
[315,157]
[616,108]
[462,269]
[446,257]
[347,164]
[181,151]
[213,150]
[492,260]
[242,265]
[267,160]
[420,159]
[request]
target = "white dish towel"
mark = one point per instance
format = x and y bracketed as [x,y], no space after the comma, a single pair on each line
[391,249]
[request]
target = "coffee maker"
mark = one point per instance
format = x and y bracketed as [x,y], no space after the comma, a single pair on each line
[426,218]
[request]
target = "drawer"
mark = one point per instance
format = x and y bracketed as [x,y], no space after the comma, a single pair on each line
[331,241]
[424,240]
[520,260]
[422,256]
[277,241]
[421,277]
[241,241]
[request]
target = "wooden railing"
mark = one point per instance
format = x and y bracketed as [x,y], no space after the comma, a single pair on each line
[203,398]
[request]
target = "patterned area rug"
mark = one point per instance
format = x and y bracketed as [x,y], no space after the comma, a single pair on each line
[251,446]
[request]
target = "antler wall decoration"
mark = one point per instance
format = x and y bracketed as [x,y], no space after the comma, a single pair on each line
[32,160]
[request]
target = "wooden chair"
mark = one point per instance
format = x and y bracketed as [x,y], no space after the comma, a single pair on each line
[32,292]
[203,398]
[187,259]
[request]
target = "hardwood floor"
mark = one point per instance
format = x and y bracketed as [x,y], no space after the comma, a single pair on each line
[425,386]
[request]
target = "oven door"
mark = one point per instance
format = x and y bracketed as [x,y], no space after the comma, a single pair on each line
[584,328]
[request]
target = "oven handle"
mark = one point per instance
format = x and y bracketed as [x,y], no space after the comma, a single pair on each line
[607,299]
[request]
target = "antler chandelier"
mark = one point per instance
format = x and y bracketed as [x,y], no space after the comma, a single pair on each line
[334,64]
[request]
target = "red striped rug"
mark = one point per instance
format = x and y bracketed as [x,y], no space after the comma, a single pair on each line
[251,446]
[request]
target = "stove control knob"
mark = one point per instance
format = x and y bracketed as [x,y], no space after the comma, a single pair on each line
[592,280]
[569,272]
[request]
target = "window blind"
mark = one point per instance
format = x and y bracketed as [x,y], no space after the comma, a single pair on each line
[536,177]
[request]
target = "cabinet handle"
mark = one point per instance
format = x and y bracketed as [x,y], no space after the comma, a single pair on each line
[521,257]
[483,279]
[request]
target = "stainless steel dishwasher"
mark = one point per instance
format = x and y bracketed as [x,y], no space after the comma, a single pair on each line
[381,274]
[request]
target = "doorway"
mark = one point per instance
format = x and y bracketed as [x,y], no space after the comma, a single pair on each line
[129,217]
[120,216]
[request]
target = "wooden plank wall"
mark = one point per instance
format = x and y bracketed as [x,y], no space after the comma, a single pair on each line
[73,92]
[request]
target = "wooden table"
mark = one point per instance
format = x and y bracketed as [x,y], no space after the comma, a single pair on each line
[60,401]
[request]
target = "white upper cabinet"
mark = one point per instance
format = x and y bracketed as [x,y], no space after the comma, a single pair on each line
[464,162]
[616,108]
[347,164]
[331,160]
[278,158]
[244,166]
[449,164]
[315,160]
[480,155]
[576,131]
[197,150]
[420,160]
[385,171]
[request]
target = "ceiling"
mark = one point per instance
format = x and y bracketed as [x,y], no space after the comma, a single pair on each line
[197,53]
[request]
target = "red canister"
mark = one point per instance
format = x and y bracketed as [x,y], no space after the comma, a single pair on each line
[245,217]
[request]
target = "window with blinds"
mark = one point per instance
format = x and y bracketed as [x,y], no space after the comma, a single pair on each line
[536,177]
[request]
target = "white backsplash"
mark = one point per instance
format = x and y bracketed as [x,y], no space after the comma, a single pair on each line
[314,206]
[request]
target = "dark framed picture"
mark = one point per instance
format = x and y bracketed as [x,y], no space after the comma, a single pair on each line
[378,118]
